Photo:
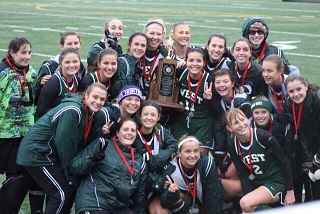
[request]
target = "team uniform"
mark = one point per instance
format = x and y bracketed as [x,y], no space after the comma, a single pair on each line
[219,108]
[54,91]
[127,67]
[49,146]
[156,154]
[250,78]
[195,119]
[16,118]
[212,67]
[209,189]
[113,85]
[173,55]
[107,186]
[308,135]
[270,167]
[96,49]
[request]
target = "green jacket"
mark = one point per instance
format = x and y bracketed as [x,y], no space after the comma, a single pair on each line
[209,187]
[16,117]
[95,50]
[56,137]
[127,66]
[106,184]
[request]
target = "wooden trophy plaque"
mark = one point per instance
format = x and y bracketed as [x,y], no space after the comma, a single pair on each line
[164,90]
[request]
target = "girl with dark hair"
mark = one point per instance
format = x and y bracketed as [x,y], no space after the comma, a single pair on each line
[52,142]
[17,86]
[304,106]
[114,177]
[218,54]
[63,82]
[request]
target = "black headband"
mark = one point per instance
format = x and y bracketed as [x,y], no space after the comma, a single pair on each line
[151,103]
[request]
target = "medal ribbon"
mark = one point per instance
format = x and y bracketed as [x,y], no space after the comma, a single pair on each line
[248,165]
[197,89]
[297,122]
[270,129]
[100,81]
[262,51]
[146,143]
[279,106]
[130,170]
[215,67]
[193,191]
[23,85]
[245,72]
[88,123]
[145,75]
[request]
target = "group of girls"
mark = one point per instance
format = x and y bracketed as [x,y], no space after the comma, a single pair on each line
[124,152]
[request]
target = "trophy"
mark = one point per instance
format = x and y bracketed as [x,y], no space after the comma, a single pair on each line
[164,89]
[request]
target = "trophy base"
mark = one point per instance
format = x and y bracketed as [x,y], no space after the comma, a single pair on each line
[170,105]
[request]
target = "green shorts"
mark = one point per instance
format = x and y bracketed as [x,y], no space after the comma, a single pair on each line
[276,188]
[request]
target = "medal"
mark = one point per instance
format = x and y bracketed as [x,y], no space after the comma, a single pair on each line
[132,181]
[193,209]
[295,119]
[296,136]
[191,114]
[251,176]
[24,98]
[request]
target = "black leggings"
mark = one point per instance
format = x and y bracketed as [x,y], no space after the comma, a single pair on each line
[52,181]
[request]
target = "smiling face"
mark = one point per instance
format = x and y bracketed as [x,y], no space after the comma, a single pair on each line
[256,36]
[238,125]
[241,52]
[108,66]
[154,33]
[216,49]
[138,46]
[189,153]
[195,63]
[181,35]
[115,27]
[127,133]
[149,117]
[70,65]
[297,91]
[95,98]
[71,41]
[270,73]
[130,105]
[261,116]
[23,56]
[224,85]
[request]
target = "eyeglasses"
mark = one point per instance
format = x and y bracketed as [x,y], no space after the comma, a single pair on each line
[253,32]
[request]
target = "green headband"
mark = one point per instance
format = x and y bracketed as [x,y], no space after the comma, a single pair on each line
[261,104]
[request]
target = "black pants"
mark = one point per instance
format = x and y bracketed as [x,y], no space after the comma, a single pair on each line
[52,181]
[127,211]
[16,185]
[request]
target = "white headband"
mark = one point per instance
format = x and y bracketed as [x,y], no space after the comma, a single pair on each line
[187,140]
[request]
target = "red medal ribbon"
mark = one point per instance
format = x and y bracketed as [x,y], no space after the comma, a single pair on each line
[145,143]
[271,123]
[262,51]
[130,170]
[297,122]
[197,89]
[145,75]
[215,67]
[279,106]
[193,191]
[88,123]
[23,85]
[248,165]
[100,81]
[245,72]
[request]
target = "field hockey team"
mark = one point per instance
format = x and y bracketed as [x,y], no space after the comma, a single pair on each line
[245,138]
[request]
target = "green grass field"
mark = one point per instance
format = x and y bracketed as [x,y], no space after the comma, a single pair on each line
[295,27]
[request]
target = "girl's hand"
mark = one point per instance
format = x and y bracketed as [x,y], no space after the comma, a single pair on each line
[106,127]
[173,187]
[45,79]
[239,90]
[289,199]
[207,91]
[180,64]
